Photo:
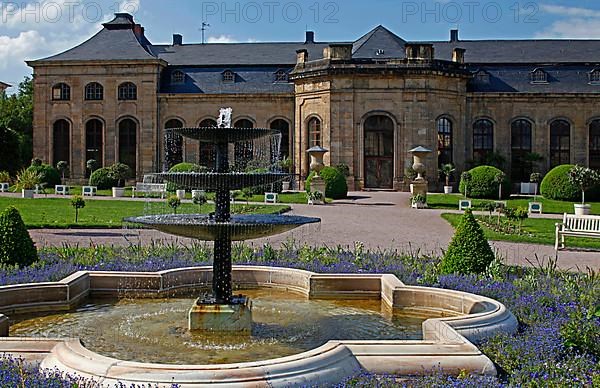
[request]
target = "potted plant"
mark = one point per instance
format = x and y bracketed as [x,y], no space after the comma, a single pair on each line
[4,181]
[315,197]
[62,167]
[447,170]
[584,178]
[27,180]
[119,172]
[286,164]
[91,165]
[418,201]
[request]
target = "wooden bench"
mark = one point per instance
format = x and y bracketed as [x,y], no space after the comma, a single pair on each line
[576,226]
[149,188]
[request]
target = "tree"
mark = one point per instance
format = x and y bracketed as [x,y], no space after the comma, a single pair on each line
[499,178]
[16,246]
[584,178]
[16,127]
[447,170]
[78,203]
[119,172]
[62,167]
[174,202]
[466,177]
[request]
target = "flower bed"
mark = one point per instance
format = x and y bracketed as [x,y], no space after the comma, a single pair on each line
[559,312]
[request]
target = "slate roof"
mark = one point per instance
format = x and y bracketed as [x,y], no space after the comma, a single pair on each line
[210,80]
[380,38]
[4,85]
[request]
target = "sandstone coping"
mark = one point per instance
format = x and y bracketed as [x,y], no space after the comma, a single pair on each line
[461,319]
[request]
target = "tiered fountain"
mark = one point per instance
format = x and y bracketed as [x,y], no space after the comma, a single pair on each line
[222,311]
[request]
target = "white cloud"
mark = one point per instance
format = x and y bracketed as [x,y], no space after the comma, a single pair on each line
[575,23]
[221,39]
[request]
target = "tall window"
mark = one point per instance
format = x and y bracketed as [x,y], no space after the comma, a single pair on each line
[207,154]
[560,142]
[483,139]
[173,143]
[94,91]
[128,143]
[595,144]
[314,132]
[127,91]
[244,150]
[444,130]
[520,135]
[93,141]
[61,141]
[283,127]
[61,92]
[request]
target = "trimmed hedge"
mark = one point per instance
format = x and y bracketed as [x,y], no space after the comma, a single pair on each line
[102,179]
[336,186]
[469,250]
[49,175]
[16,246]
[556,185]
[483,183]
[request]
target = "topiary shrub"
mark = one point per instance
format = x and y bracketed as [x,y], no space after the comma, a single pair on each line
[49,175]
[556,185]
[469,250]
[16,246]
[335,183]
[483,183]
[102,179]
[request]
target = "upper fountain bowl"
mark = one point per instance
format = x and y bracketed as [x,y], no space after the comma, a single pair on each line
[239,228]
[216,135]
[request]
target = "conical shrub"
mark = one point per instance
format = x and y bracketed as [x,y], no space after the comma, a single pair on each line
[469,250]
[16,246]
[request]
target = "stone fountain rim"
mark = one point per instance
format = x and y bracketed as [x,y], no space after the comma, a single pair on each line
[447,341]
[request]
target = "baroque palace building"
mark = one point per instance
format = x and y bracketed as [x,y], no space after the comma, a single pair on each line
[368,101]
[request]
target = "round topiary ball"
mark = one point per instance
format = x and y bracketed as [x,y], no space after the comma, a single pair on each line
[556,185]
[187,167]
[102,179]
[483,183]
[335,183]
[49,175]
[16,246]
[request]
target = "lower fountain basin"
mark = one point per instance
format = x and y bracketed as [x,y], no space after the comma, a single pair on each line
[239,228]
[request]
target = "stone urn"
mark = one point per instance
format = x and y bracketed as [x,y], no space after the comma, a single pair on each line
[316,158]
[317,183]
[420,185]
[583,209]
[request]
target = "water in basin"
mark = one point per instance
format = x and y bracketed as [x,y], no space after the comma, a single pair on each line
[155,330]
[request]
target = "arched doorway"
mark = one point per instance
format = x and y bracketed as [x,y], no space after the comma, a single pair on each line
[94,142]
[173,143]
[243,150]
[128,144]
[284,127]
[379,152]
[207,155]
[61,142]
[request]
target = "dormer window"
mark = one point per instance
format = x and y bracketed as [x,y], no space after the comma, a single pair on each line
[539,76]
[594,77]
[178,77]
[228,76]
[482,77]
[379,52]
[281,76]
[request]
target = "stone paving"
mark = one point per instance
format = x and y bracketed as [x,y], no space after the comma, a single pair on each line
[377,219]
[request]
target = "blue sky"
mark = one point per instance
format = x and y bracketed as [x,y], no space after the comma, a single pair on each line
[35,29]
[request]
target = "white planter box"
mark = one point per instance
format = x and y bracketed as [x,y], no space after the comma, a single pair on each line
[27,193]
[180,194]
[528,188]
[582,210]
[118,192]
[447,189]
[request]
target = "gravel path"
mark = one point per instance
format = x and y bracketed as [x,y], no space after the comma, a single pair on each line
[377,219]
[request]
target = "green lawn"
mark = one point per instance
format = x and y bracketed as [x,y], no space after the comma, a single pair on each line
[535,231]
[299,198]
[58,213]
[450,201]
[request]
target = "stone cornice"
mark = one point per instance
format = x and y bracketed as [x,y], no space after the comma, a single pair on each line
[54,63]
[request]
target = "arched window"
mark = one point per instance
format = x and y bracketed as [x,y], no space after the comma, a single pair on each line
[284,127]
[173,143]
[61,92]
[127,91]
[61,137]
[520,140]
[128,144]
[595,144]
[560,143]
[94,92]
[177,77]
[314,132]
[444,130]
[483,139]
[243,150]
[207,154]
[228,76]
[94,141]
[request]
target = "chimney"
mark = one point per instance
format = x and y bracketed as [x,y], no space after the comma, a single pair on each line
[138,30]
[338,51]
[419,51]
[301,56]
[177,40]
[453,35]
[458,55]
[310,37]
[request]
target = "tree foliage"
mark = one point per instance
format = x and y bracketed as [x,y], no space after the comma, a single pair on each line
[16,127]
[16,246]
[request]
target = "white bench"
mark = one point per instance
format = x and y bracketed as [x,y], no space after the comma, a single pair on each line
[271,197]
[4,187]
[61,190]
[150,188]
[89,190]
[464,204]
[576,226]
